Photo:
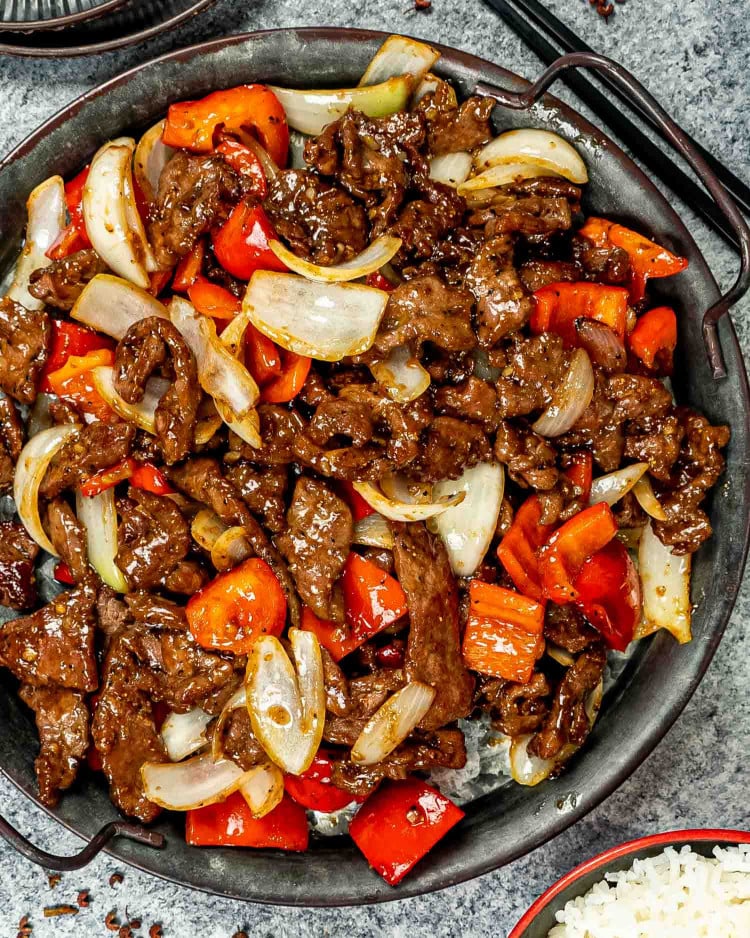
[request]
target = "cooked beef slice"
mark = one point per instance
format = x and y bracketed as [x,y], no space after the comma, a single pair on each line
[18,553]
[25,337]
[62,282]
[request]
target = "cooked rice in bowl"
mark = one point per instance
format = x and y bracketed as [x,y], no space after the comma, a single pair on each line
[677,894]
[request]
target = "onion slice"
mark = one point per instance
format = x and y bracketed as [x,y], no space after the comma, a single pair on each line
[396,510]
[182,786]
[287,707]
[400,55]
[327,321]
[611,487]
[111,305]
[373,531]
[151,156]
[452,169]
[502,175]
[391,723]
[142,413]
[401,375]
[571,398]
[30,470]
[263,789]
[540,146]
[311,111]
[185,733]
[206,528]
[374,256]
[665,582]
[112,221]
[468,528]
[230,548]
[98,515]
[45,209]
[431,83]
[646,498]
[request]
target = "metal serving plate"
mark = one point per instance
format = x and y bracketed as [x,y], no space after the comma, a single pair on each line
[651,688]
[26,16]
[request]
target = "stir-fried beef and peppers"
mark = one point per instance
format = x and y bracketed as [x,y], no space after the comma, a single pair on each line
[334,458]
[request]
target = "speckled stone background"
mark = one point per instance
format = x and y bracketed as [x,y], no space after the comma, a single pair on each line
[693,55]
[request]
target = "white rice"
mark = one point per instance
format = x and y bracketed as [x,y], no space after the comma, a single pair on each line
[673,895]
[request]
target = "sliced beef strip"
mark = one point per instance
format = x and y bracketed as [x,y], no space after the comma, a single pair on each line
[567,721]
[366,695]
[111,612]
[516,709]
[605,265]
[263,489]
[597,429]
[532,370]
[451,128]
[62,282]
[441,749]
[530,458]
[338,699]
[62,720]
[239,743]
[433,652]
[189,672]
[195,193]
[426,220]
[449,447]
[530,214]
[279,427]
[657,441]
[153,537]
[472,398]
[54,645]
[538,273]
[316,544]
[186,578]
[68,535]
[503,305]
[426,309]
[25,337]
[319,221]
[96,446]
[140,352]
[11,442]
[636,397]
[155,612]
[341,417]
[566,627]
[18,553]
[202,479]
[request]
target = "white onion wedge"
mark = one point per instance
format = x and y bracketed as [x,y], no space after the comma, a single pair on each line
[142,413]
[560,655]
[185,733]
[431,83]
[391,723]
[400,55]
[452,169]
[45,209]
[98,515]
[30,469]
[374,256]
[181,786]
[541,146]
[468,528]
[611,487]
[311,111]
[112,221]
[373,531]
[327,321]
[665,582]
[502,175]
[395,510]
[230,548]
[570,400]
[263,789]
[287,706]
[151,156]
[111,305]
[206,528]
[646,498]
[401,375]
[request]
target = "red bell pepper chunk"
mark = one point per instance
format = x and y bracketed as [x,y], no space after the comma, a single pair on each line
[359,507]
[503,634]
[517,550]
[376,279]
[399,824]
[231,611]
[189,267]
[559,305]
[580,471]
[655,334]
[609,594]
[68,338]
[74,237]
[262,355]
[191,125]
[288,383]
[231,824]
[147,477]
[647,259]
[108,478]
[241,244]
[391,655]
[561,558]
[213,300]
[63,575]
[246,162]
[314,789]
[158,281]
[73,383]
[373,600]
[69,241]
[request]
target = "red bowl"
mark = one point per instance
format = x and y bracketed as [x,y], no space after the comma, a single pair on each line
[540,917]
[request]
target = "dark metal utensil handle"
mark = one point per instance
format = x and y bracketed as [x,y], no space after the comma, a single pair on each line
[97,843]
[518,100]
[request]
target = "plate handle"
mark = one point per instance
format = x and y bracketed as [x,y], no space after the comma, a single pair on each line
[518,100]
